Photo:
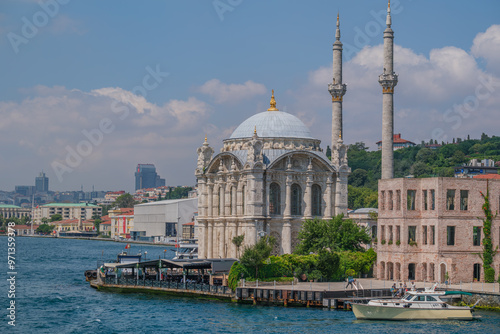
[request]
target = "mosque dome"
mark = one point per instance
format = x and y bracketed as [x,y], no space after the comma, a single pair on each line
[272,123]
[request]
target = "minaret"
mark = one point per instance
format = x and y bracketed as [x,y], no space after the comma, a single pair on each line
[388,80]
[337,89]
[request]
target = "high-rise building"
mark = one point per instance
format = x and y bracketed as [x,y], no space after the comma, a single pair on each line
[24,190]
[42,183]
[146,177]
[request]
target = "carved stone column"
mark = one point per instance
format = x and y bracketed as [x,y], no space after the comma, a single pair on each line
[210,195]
[221,233]
[286,237]
[222,200]
[210,240]
[287,214]
[328,198]
[202,246]
[307,197]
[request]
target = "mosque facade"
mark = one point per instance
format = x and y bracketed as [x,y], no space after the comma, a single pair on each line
[270,176]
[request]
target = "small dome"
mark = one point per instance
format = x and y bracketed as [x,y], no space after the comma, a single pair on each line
[274,124]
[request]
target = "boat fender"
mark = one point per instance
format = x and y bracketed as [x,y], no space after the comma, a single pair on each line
[406,305]
[94,274]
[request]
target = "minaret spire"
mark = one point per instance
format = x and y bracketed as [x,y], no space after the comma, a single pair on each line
[337,32]
[388,80]
[337,89]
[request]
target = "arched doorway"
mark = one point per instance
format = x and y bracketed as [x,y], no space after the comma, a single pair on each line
[442,272]
[390,270]
[424,271]
[411,271]
[477,272]
[398,271]
[382,270]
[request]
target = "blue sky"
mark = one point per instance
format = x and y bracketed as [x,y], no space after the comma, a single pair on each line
[223,57]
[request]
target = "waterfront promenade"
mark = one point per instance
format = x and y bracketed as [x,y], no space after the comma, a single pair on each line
[369,283]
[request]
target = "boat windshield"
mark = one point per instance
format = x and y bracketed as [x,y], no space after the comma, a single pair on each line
[408,297]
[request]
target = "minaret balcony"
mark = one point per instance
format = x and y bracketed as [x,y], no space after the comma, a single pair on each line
[337,91]
[388,81]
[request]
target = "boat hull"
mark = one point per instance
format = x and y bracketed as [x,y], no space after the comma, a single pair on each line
[374,312]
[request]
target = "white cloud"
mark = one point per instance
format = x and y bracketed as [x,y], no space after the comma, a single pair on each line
[428,90]
[231,93]
[44,124]
[487,45]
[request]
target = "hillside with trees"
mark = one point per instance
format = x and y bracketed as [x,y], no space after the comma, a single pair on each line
[419,161]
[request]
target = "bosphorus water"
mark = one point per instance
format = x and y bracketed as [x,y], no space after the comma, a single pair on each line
[53,297]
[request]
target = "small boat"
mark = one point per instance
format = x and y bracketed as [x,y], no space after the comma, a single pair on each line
[185,251]
[415,305]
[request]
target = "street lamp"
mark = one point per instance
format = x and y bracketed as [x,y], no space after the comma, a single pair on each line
[145,255]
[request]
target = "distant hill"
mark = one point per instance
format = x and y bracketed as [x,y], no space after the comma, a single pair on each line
[419,161]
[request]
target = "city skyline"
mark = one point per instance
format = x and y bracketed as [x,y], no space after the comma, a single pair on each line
[205,69]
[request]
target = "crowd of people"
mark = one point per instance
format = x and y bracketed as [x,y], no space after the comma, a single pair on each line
[399,292]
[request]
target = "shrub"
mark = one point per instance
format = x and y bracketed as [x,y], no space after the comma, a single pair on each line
[489,275]
[383,241]
[390,242]
[398,242]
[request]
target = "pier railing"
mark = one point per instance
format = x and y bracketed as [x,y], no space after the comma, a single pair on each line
[217,289]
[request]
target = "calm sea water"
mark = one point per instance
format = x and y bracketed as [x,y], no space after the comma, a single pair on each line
[53,297]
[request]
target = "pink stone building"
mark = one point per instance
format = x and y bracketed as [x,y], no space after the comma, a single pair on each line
[431,229]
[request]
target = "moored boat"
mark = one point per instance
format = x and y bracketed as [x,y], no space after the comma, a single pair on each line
[415,305]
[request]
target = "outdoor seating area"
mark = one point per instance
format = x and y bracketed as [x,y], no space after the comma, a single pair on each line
[168,273]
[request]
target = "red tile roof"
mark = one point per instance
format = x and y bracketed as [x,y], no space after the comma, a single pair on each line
[488,176]
[24,227]
[397,139]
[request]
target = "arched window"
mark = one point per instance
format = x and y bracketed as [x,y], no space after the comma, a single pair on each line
[296,200]
[275,199]
[316,200]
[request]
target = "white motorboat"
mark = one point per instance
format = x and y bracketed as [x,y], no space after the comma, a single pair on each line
[185,251]
[415,305]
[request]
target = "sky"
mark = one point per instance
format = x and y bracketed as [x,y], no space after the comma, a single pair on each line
[89,89]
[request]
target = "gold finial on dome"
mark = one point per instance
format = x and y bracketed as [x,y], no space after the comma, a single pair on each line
[273,103]
[205,138]
[255,130]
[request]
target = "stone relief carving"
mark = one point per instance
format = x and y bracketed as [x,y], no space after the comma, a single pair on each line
[205,153]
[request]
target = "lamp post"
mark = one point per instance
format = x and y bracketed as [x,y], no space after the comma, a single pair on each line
[145,255]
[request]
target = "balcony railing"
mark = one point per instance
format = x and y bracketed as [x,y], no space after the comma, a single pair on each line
[218,289]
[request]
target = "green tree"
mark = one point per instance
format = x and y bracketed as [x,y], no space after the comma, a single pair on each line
[358,177]
[97,224]
[328,263]
[45,229]
[56,218]
[488,253]
[238,241]
[255,255]
[425,155]
[458,158]
[420,168]
[125,201]
[45,220]
[336,234]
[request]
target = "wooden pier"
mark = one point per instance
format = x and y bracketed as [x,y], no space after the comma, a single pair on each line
[308,298]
